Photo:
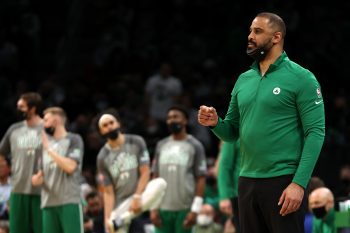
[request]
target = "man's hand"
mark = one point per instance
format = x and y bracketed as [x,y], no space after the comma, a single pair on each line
[291,199]
[226,207]
[136,205]
[38,178]
[207,116]
[190,220]
[155,218]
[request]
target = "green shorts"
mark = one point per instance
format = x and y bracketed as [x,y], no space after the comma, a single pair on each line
[25,214]
[66,218]
[172,222]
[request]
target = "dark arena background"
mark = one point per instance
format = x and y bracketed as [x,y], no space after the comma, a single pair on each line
[90,55]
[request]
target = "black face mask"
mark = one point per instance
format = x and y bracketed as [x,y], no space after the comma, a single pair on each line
[175,127]
[259,53]
[50,130]
[21,115]
[113,134]
[319,212]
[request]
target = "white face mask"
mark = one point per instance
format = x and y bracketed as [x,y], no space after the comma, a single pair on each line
[204,220]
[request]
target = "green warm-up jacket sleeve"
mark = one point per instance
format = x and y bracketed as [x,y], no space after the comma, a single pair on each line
[228,170]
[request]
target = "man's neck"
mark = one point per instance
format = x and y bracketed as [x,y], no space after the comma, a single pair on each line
[34,120]
[180,136]
[269,59]
[117,143]
[60,132]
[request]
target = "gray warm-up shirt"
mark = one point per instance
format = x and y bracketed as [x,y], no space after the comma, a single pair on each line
[60,187]
[120,167]
[179,162]
[23,144]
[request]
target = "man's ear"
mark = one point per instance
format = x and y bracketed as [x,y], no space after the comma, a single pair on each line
[277,37]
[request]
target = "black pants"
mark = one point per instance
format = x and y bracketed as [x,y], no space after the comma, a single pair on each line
[258,206]
[235,218]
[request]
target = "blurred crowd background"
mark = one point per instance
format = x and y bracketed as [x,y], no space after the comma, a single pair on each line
[90,55]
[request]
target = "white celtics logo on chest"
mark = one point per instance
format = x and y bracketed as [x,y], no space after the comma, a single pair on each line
[276,90]
[173,157]
[122,165]
[30,140]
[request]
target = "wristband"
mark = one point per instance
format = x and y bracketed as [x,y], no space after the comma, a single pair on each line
[197,204]
[137,196]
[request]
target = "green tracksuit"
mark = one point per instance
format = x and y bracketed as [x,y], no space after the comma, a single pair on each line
[280,120]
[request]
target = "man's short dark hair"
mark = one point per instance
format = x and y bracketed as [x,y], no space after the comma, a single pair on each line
[181,109]
[275,21]
[33,99]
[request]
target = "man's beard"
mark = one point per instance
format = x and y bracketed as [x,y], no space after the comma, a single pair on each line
[259,53]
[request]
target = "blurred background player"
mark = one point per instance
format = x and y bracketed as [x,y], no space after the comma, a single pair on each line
[60,175]
[22,142]
[180,160]
[123,166]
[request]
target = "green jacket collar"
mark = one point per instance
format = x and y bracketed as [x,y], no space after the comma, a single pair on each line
[283,57]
